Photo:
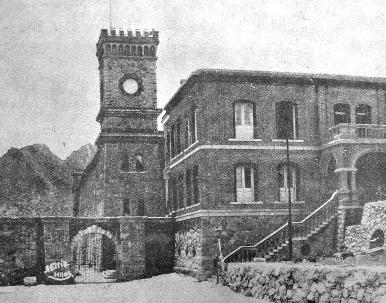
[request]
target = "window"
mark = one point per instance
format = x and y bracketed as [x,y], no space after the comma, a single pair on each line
[173,194]
[139,51]
[189,187]
[363,114]
[288,178]
[133,50]
[167,143]
[178,138]
[188,135]
[141,208]
[286,120]
[125,163]
[244,120]
[341,113]
[172,141]
[196,194]
[126,207]
[139,164]
[152,51]
[246,183]
[180,191]
[193,128]
[146,50]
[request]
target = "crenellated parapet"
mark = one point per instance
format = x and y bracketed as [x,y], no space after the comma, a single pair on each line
[129,43]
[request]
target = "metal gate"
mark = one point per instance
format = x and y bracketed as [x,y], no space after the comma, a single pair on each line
[94,256]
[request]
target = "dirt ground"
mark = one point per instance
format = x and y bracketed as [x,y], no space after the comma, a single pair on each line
[165,288]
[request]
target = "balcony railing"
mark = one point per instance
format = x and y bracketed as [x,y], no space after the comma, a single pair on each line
[355,131]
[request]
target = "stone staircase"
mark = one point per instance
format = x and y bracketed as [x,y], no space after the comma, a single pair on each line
[272,245]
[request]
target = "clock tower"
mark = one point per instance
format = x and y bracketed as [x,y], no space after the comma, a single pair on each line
[129,144]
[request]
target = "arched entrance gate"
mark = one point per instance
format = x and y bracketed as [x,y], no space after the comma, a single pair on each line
[94,256]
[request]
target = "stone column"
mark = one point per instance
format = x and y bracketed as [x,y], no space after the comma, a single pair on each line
[349,209]
[131,250]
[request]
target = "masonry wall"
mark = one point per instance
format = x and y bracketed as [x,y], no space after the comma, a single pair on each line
[91,188]
[146,186]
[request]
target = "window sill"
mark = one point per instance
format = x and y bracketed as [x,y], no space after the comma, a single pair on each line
[290,140]
[292,202]
[247,203]
[134,172]
[245,140]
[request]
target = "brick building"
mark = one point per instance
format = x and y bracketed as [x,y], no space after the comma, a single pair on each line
[219,167]
[225,163]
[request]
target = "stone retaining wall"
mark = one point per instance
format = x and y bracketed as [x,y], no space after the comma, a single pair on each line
[358,237]
[280,282]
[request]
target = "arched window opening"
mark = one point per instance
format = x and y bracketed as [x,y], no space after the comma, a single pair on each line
[286,120]
[139,167]
[139,51]
[377,239]
[152,51]
[108,48]
[243,120]
[127,50]
[126,207]
[125,163]
[114,48]
[120,49]
[133,50]
[341,113]
[146,50]
[288,179]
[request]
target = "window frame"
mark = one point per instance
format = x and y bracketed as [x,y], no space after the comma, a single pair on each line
[254,182]
[294,180]
[281,133]
[346,111]
[251,132]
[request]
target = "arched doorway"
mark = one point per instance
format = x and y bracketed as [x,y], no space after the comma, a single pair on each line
[94,256]
[371,177]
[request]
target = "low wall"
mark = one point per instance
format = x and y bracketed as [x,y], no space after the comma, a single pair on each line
[280,282]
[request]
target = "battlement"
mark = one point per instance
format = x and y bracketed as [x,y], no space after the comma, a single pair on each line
[129,43]
[138,36]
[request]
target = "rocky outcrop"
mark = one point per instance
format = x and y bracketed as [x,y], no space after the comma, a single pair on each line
[35,182]
[307,283]
[81,157]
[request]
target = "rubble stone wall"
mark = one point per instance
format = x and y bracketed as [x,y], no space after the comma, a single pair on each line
[307,283]
[358,237]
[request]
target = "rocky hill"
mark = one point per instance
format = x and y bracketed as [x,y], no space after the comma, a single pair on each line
[35,182]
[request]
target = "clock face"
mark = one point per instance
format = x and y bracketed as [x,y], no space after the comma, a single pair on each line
[130,86]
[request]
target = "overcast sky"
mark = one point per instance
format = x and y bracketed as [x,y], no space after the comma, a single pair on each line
[49,90]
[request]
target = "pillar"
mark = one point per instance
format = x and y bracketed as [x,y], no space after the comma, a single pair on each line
[131,250]
[349,210]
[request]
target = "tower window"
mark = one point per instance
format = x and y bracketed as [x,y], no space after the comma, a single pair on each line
[108,48]
[152,51]
[146,50]
[244,120]
[286,120]
[120,49]
[139,51]
[139,167]
[114,49]
[341,113]
[133,50]
[127,50]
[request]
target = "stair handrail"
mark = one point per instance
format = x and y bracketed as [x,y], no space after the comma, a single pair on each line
[281,228]
[318,209]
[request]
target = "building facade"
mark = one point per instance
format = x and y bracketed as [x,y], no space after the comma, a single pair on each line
[219,168]
[225,163]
